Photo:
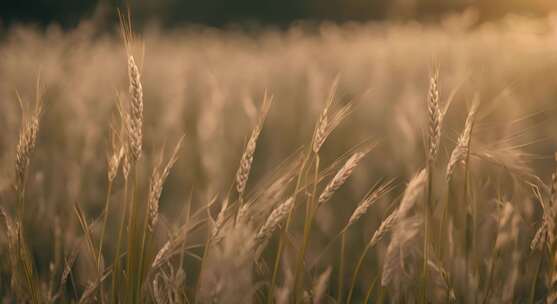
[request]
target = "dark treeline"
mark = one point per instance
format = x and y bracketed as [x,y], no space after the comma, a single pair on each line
[68,13]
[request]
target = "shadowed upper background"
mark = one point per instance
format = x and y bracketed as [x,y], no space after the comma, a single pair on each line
[169,13]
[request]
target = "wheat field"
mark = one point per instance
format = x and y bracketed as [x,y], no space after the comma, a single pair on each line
[357,163]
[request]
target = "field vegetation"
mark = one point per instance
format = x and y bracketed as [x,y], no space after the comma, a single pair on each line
[356,163]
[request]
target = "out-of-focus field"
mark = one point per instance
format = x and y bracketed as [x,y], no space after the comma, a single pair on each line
[209,85]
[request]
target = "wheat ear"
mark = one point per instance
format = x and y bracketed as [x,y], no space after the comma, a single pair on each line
[461,150]
[247,157]
[340,178]
[434,115]
[273,221]
[26,144]
[155,188]
[368,201]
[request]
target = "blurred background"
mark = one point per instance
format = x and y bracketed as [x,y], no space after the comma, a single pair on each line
[68,13]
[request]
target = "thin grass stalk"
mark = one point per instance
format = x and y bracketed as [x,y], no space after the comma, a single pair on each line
[466,200]
[357,271]
[381,294]
[386,225]
[442,223]
[205,248]
[426,234]
[474,206]
[494,258]
[298,277]
[103,232]
[183,245]
[370,289]
[27,268]
[426,211]
[113,166]
[211,236]
[284,231]
[132,238]
[117,271]
[341,267]
[532,296]
[142,249]
[552,243]
[90,245]
[142,260]
[201,267]
[466,231]
[21,247]
[551,286]
[86,231]
[276,266]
